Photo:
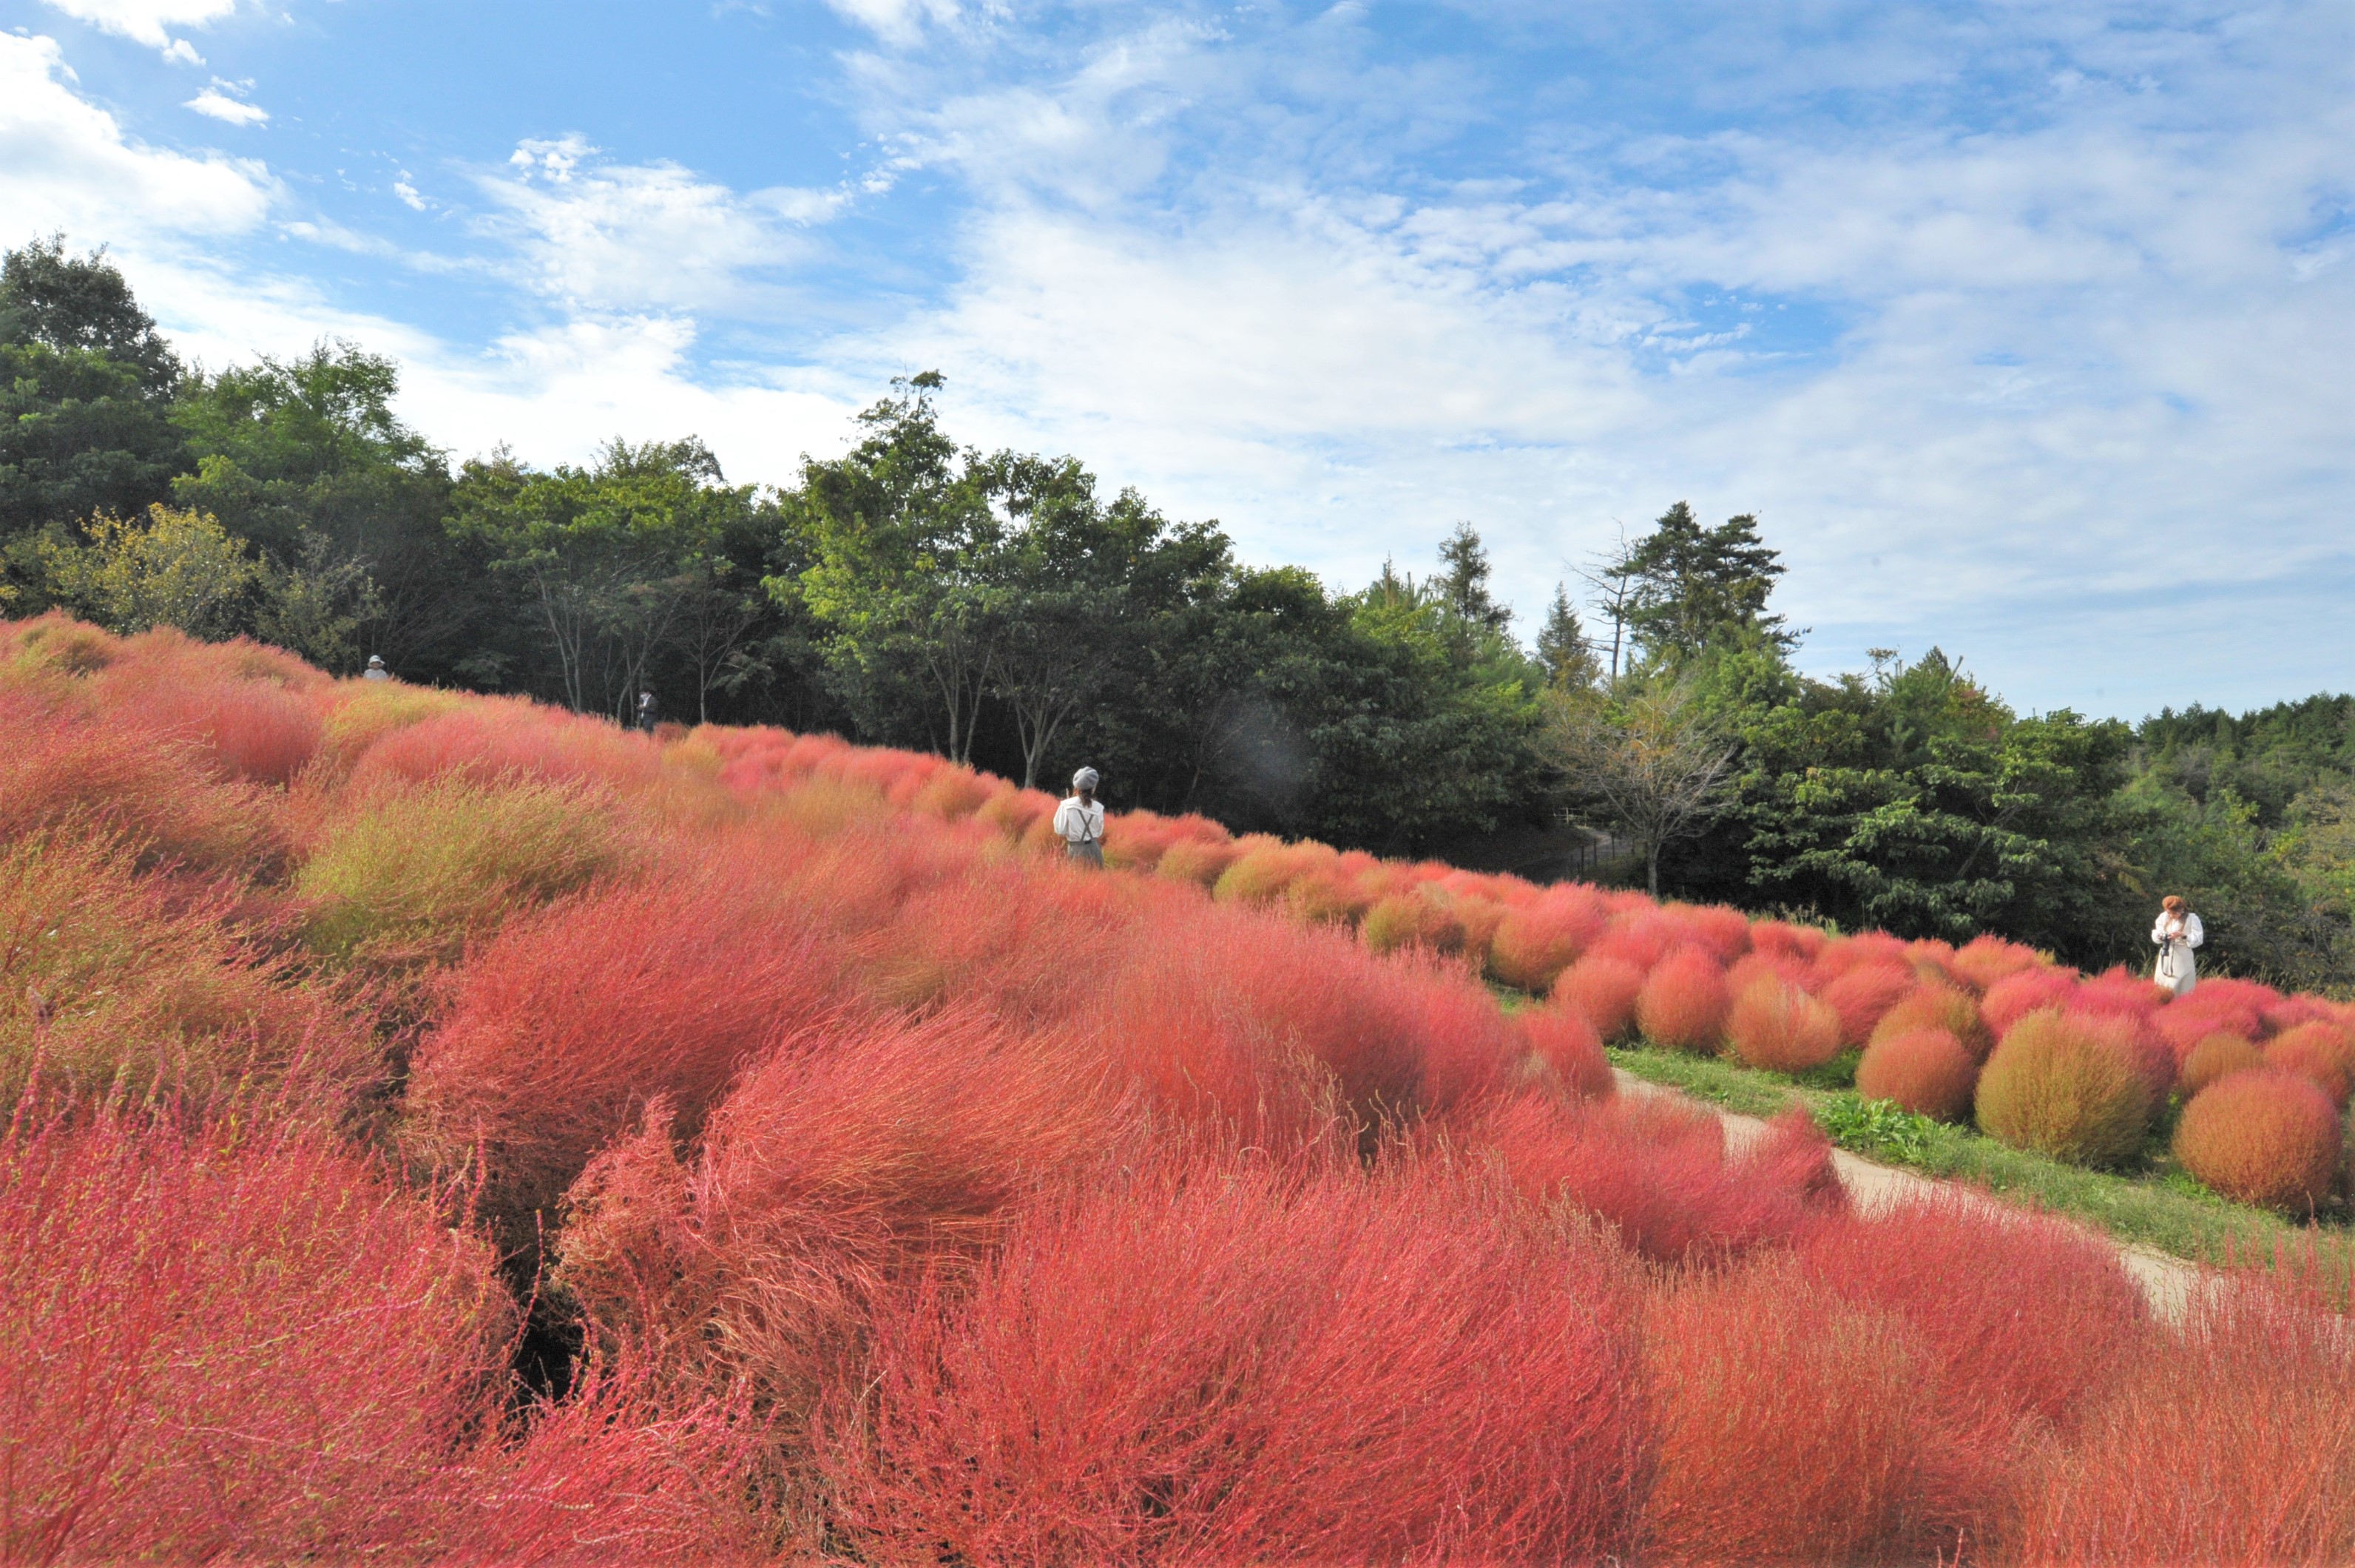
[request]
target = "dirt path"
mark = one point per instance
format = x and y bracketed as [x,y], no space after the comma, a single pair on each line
[2166,1281]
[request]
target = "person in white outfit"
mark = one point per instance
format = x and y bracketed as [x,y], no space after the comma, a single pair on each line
[2176,934]
[375,670]
[1080,820]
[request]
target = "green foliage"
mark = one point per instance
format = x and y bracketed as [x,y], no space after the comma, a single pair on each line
[306,458]
[1564,651]
[167,569]
[1915,802]
[86,384]
[1877,1129]
[2252,820]
[617,557]
[1695,587]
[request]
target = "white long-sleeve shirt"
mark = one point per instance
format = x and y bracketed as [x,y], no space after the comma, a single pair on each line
[1080,824]
[2186,931]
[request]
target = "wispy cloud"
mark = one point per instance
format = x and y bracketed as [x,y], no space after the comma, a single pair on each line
[602,235]
[146,21]
[223,101]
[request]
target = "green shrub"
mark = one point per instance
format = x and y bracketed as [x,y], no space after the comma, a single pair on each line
[412,877]
[2059,1085]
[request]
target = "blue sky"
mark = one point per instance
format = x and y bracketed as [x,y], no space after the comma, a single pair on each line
[2028,330]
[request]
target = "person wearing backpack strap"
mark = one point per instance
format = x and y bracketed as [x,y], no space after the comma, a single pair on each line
[1080,821]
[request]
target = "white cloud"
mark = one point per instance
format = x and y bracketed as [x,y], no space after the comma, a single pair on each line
[66,164]
[182,52]
[408,193]
[634,237]
[215,102]
[896,22]
[145,21]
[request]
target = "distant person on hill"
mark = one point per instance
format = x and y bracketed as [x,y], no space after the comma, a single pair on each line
[375,670]
[1080,820]
[2176,934]
[649,713]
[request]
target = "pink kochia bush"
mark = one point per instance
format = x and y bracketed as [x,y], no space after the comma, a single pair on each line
[1683,1003]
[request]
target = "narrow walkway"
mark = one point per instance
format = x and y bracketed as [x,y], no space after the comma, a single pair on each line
[2166,1281]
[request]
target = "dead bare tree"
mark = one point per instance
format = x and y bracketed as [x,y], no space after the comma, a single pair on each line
[1649,758]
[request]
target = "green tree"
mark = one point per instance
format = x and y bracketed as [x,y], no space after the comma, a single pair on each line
[1917,803]
[900,544]
[86,384]
[1648,758]
[1463,585]
[1567,658]
[613,555]
[306,458]
[1693,586]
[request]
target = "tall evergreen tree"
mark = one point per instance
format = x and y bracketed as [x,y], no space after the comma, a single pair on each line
[1696,586]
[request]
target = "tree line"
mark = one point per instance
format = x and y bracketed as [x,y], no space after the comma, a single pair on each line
[1001,608]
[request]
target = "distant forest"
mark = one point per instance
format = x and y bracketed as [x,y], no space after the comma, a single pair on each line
[1001,609]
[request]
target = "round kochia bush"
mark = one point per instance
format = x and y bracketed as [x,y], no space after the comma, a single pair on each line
[2217,1056]
[1603,989]
[1775,1024]
[1683,1002]
[1926,1070]
[2267,1136]
[1939,1007]
[1563,1039]
[2319,1051]
[2059,1085]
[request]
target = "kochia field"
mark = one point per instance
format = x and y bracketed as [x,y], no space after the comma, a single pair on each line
[445,1129]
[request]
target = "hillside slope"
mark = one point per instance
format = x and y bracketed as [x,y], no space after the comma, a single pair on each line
[911,1196]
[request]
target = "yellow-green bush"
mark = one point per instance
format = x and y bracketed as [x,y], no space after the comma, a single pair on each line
[412,876]
[2059,1085]
[112,980]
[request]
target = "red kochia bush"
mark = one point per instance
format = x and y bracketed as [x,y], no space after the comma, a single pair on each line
[1568,1045]
[1536,943]
[161,794]
[1925,1070]
[249,729]
[2319,1051]
[229,1346]
[566,1023]
[1939,1007]
[2029,1322]
[1683,1002]
[1246,1365]
[849,1154]
[1774,1024]
[2268,1137]
[1794,1426]
[1603,990]
[2015,996]
[2245,1412]
[1657,1169]
[1860,995]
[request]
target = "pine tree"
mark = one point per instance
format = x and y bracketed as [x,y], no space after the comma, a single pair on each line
[1562,648]
[1464,586]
